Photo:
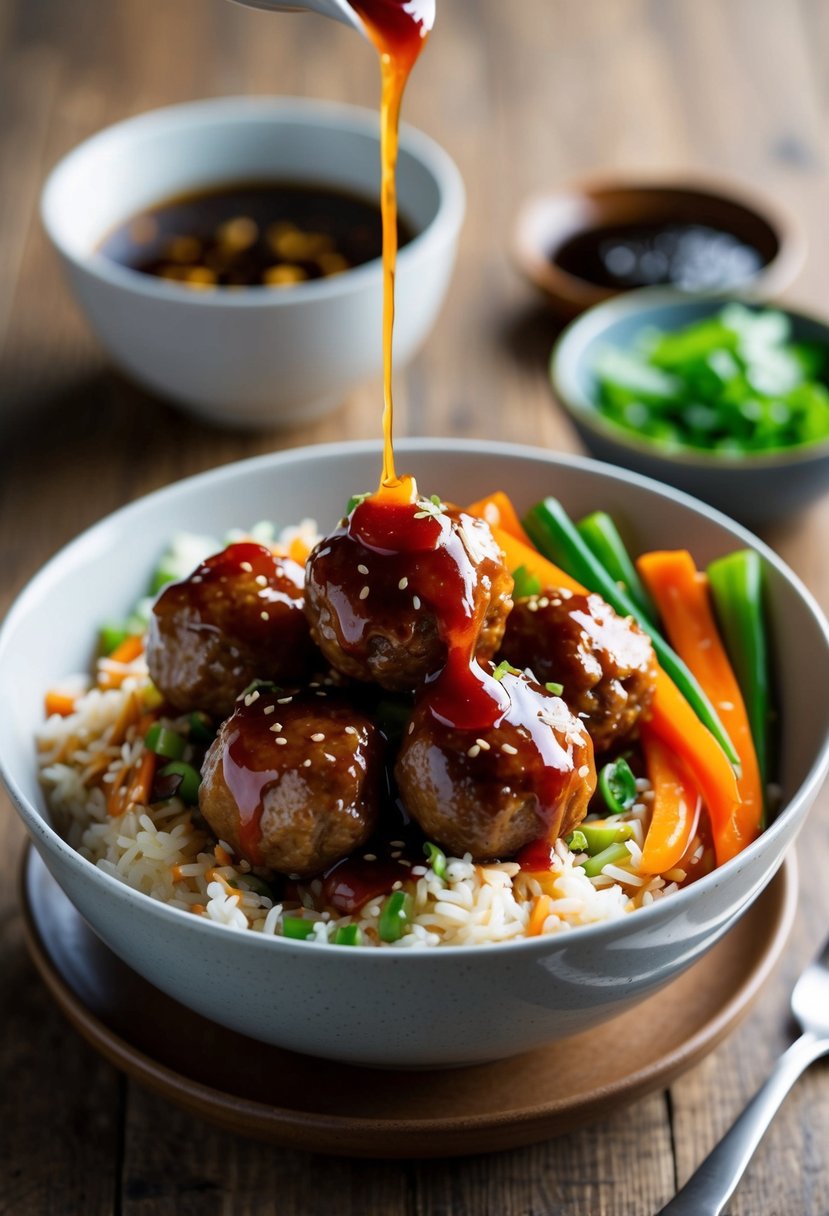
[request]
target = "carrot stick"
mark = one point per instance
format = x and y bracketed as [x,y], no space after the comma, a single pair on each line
[116,804]
[62,703]
[519,553]
[498,511]
[681,595]
[540,912]
[671,717]
[679,728]
[142,783]
[128,650]
[676,806]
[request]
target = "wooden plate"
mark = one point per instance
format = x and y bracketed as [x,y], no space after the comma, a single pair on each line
[297,1101]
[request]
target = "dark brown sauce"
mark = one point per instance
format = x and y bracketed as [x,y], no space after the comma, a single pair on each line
[693,257]
[252,234]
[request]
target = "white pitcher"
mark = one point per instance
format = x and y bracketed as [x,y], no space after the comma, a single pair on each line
[339,10]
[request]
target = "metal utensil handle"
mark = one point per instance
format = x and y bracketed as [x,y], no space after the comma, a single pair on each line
[339,10]
[713,1183]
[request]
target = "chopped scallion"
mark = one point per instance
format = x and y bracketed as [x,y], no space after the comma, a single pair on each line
[348,935]
[555,689]
[526,584]
[618,786]
[297,927]
[164,742]
[436,858]
[394,916]
[188,788]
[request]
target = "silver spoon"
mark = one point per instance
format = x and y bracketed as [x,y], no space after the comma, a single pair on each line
[338,10]
[709,1189]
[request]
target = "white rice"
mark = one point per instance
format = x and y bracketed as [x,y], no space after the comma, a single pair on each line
[168,852]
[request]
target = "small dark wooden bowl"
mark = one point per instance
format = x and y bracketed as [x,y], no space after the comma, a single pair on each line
[547,220]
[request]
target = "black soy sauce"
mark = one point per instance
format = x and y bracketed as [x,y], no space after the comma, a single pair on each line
[692,257]
[252,234]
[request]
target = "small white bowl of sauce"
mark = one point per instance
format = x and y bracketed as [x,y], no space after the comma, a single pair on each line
[226,252]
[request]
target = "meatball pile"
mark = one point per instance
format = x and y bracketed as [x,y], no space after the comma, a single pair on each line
[502,704]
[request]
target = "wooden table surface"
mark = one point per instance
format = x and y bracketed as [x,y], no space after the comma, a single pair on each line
[523,94]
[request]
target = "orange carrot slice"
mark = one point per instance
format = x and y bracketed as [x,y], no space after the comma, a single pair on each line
[676,806]
[682,597]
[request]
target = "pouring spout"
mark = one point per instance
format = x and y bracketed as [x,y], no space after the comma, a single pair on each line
[337,10]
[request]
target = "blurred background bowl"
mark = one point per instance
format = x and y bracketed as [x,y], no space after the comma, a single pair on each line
[253,357]
[754,488]
[547,221]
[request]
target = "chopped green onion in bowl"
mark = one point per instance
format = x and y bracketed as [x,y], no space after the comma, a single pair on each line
[732,384]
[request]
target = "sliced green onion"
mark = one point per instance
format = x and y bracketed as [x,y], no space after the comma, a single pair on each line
[600,534]
[395,915]
[348,935]
[600,836]
[502,669]
[200,727]
[355,500]
[577,841]
[736,585]
[111,637]
[555,536]
[188,790]
[617,785]
[526,584]
[297,927]
[593,866]
[260,686]
[436,858]
[555,689]
[164,742]
[162,576]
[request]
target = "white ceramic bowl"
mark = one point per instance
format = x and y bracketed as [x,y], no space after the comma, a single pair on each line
[387,1007]
[256,357]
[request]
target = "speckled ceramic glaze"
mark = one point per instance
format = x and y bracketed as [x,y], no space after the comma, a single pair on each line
[756,489]
[388,1007]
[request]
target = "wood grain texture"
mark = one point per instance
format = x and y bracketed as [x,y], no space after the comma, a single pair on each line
[522,95]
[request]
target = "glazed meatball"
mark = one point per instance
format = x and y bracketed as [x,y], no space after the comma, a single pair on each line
[604,661]
[293,781]
[393,588]
[493,791]
[237,618]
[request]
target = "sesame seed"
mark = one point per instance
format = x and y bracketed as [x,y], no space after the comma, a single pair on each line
[328,756]
[319,693]
[317,737]
[197,578]
[284,700]
[369,856]
[246,566]
[411,728]
[361,569]
[306,763]
[584,770]
[276,727]
[251,697]
[482,744]
[404,862]
[364,593]
[265,616]
[532,605]
[403,584]
[261,581]
[270,709]
[314,684]
[351,730]
[509,749]
[415,602]
[281,740]
[474,751]
[396,853]
[396,885]
[398,844]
